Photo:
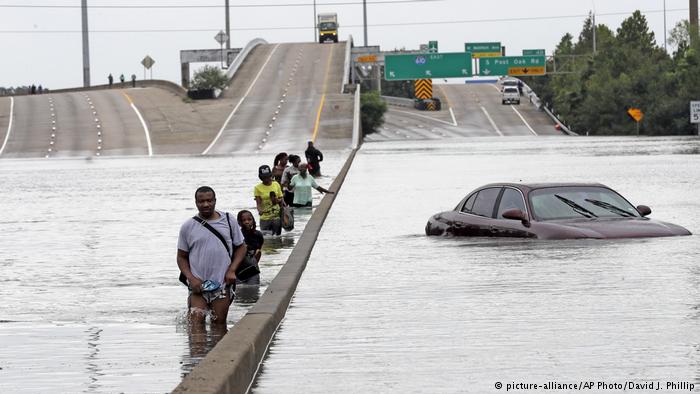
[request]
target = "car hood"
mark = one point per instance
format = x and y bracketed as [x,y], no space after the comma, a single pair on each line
[625,228]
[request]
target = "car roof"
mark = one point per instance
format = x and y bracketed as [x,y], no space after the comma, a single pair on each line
[541,185]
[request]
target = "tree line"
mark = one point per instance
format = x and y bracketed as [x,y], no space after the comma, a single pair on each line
[627,70]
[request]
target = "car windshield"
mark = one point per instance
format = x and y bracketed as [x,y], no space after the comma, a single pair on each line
[576,202]
[511,90]
[326,25]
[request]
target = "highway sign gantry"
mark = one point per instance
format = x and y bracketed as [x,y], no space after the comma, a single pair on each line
[483,49]
[427,65]
[512,65]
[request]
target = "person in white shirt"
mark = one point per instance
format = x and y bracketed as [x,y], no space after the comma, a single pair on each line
[302,183]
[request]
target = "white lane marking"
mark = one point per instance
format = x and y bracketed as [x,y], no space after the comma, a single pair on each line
[241,101]
[145,129]
[523,119]
[453,117]
[423,116]
[491,120]
[9,126]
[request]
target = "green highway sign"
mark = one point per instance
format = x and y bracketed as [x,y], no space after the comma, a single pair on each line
[432,46]
[512,65]
[427,65]
[533,52]
[483,49]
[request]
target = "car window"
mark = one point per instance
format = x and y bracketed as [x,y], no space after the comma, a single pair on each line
[511,90]
[469,203]
[569,202]
[511,199]
[485,201]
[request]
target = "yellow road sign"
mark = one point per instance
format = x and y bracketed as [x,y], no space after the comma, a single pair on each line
[423,88]
[477,55]
[367,59]
[526,71]
[636,114]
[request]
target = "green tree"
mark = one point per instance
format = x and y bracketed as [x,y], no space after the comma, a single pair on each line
[209,77]
[628,70]
[372,109]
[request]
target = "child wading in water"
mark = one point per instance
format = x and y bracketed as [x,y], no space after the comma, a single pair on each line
[254,241]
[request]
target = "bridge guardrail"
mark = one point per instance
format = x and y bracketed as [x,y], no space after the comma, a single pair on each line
[241,57]
[398,101]
[346,64]
[160,83]
[535,100]
[357,121]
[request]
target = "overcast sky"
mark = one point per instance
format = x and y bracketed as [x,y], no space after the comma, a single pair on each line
[42,45]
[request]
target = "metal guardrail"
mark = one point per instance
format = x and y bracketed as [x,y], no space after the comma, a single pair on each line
[536,101]
[241,57]
[398,101]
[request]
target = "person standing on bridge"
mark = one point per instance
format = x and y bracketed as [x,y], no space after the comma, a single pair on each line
[121,78]
[210,248]
[269,201]
[110,78]
[133,80]
[313,157]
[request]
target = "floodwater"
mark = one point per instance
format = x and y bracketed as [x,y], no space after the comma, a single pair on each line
[90,297]
[383,308]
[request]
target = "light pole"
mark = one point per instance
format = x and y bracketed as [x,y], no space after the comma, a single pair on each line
[364,11]
[315,33]
[86,45]
[693,19]
[228,28]
[665,49]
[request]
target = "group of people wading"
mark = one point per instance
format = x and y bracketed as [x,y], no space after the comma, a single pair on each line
[213,244]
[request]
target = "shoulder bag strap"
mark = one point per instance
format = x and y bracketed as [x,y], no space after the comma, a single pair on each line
[230,229]
[218,234]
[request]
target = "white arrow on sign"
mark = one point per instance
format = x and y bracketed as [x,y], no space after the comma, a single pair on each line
[465,71]
[428,73]
[392,74]
[486,72]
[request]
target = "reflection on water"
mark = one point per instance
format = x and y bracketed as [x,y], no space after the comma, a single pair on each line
[91,300]
[383,308]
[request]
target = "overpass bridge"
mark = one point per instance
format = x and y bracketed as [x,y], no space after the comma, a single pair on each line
[279,97]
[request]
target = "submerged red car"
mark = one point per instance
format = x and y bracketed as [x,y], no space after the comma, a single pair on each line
[549,211]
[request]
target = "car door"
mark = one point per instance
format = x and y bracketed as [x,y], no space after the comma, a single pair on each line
[501,227]
[476,216]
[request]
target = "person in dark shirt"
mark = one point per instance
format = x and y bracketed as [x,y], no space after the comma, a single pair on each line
[313,158]
[254,241]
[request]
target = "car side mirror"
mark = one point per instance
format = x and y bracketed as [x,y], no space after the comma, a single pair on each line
[516,214]
[643,210]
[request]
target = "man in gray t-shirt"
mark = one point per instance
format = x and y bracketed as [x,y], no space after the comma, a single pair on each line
[203,259]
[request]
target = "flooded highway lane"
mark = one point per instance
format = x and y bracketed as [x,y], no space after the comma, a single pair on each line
[91,301]
[383,308]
